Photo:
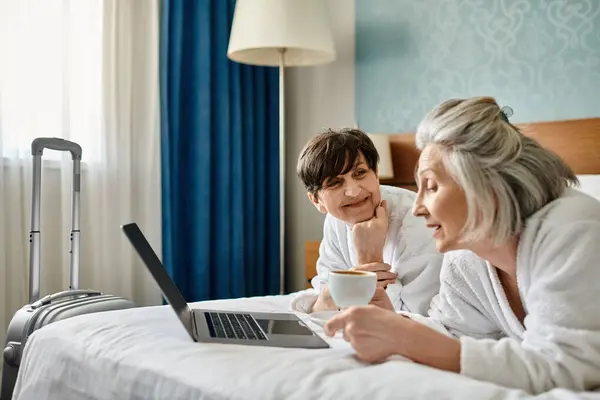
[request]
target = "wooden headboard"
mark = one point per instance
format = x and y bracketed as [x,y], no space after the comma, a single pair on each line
[576,141]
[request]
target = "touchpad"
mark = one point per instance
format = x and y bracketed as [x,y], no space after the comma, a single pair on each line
[279,327]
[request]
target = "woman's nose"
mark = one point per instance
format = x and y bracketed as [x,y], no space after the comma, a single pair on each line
[419,209]
[352,188]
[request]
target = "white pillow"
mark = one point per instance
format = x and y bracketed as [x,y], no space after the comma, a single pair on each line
[590,185]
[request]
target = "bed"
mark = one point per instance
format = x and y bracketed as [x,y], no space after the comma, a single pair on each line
[145,353]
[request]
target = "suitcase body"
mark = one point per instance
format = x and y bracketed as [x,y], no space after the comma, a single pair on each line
[58,306]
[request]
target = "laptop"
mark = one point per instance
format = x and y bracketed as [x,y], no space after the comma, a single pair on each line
[214,326]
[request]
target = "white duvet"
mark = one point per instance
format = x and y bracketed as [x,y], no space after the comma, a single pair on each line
[145,353]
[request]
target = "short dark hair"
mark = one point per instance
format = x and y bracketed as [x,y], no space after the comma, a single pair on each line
[332,153]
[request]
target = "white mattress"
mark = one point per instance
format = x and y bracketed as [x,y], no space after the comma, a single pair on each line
[145,353]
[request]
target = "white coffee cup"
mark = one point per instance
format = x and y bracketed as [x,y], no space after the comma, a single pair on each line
[352,288]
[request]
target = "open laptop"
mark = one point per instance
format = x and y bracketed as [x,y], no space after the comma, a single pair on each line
[247,328]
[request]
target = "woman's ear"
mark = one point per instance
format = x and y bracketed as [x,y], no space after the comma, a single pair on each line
[318,205]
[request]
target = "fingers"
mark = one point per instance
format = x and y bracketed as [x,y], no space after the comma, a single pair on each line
[385,283]
[373,267]
[386,275]
[379,293]
[336,323]
[381,211]
[346,335]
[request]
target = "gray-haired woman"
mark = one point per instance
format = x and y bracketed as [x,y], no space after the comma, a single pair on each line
[520,285]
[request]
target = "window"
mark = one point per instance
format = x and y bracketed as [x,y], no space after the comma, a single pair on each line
[50,75]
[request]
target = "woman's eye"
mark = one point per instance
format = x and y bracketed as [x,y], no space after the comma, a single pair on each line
[360,172]
[430,186]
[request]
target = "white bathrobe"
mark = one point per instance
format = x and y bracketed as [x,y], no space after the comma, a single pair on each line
[409,249]
[558,275]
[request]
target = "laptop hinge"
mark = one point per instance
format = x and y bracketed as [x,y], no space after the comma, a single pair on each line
[194,326]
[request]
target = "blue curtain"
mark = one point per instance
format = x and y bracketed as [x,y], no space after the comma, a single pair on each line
[219,156]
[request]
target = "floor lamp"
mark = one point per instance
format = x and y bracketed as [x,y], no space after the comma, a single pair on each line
[281,33]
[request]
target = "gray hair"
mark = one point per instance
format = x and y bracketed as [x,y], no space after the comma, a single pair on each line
[494,163]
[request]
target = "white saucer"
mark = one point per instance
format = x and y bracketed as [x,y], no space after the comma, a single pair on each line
[321,317]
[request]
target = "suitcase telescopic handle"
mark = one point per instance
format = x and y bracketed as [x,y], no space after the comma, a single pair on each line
[37,150]
[60,295]
[39,144]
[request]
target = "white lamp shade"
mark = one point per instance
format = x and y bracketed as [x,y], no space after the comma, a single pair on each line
[382,144]
[261,27]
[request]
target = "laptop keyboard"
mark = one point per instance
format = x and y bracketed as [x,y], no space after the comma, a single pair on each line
[233,326]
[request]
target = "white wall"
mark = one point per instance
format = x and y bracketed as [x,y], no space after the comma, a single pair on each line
[316,98]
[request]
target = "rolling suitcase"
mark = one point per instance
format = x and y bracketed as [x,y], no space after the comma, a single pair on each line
[58,306]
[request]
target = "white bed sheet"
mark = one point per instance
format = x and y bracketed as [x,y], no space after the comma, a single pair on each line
[145,353]
[590,184]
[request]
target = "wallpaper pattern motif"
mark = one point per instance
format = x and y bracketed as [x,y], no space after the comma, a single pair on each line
[541,57]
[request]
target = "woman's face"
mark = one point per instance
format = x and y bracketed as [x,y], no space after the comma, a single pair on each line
[352,197]
[440,200]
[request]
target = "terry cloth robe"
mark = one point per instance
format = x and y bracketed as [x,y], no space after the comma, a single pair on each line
[558,276]
[409,249]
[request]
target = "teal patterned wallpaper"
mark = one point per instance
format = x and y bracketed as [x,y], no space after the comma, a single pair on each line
[541,57]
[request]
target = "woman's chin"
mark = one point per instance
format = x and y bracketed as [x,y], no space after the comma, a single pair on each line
[360,216]
[443,246]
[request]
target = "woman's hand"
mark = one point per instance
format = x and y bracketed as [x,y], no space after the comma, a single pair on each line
[381,299]
[368,237]
[376,334]
[383,271]
[324,302]
[373,332]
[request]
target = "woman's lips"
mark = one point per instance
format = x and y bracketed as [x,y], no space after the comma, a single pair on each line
[358,203]
[436,229]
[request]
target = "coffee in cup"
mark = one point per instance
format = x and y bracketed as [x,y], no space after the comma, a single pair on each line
[352,288]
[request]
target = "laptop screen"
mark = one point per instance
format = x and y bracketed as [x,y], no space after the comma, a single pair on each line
[158,271]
